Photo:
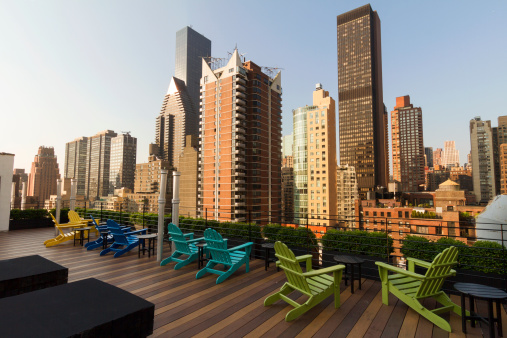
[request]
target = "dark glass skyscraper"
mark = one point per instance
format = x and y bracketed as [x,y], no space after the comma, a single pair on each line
[362,116]
[191,47]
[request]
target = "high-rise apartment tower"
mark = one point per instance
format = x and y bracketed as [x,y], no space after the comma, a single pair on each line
[123,162]
[362,115]
[240,142]
[408,146]
[483,166]
[315,161]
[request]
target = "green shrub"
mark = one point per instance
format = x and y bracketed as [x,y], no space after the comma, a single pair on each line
[271,230]
[418,247]
[64,214]
[485,256]
[300,237]
[358,242]
[17,214]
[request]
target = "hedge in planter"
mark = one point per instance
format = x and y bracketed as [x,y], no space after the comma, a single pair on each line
[29,219]
[358,242]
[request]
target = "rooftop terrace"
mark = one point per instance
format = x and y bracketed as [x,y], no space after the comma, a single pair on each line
[188,307]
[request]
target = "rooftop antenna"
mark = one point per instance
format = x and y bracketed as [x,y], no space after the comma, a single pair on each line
[271,71]
[126,132]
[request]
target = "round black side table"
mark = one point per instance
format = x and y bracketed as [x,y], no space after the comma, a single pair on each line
[200,254]
[487,293]
[350,260]
[267,253]
[104,235]
[81,232]
[151,244]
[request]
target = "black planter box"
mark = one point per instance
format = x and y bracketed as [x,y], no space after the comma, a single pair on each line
[86,308]
[21,224]
[30,273]
[368,269]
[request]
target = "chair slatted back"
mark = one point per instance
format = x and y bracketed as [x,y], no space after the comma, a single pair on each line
[74,217]
[56,224]
[439,270]
[178,239]
[291,267]
[217,247]
[118,234]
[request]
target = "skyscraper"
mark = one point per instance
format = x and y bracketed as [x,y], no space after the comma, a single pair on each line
[98,158]
[315,161]
[179,115]
[502,155]
[177,118]
[75,162]
[407,143]
[450,155]
[428,151]
[240,142]
[437,157]
[43,174]
[191,47]
[123,162]
[362,115]
[483,166]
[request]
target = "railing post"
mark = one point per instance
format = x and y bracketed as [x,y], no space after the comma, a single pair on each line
[307,236]
[161,206]
[205,218]
[101,212]
[387,241]
[121,204]
[58,203]
[84,212]
[144,205]
[176,198]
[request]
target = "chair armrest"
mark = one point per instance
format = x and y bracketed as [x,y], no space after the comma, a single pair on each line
[330,269]
[195,240]
[308,259]
[142,232]
[241,246]
[411,261]
[401,271]
[190,234]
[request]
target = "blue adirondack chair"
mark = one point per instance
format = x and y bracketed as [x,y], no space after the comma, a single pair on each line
[184,245]
[233,258]
[123,241]
[99,241]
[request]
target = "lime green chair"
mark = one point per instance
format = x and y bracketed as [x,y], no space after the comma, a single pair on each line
[316,284]
[412,288]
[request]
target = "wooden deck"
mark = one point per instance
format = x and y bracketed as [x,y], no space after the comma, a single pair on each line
[186,307]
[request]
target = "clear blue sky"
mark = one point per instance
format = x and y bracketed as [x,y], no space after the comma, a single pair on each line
[74,68]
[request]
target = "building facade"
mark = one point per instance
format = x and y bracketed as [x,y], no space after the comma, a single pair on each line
[428,153]
[123,162]
[43,174]
[287,142]
[450,155]
[178,117]
[76,153]
[501,157]
[240,143]
[98,160]
[188,177]
[483,166]
[315,160]
[6,166]
[191,47]
[346,195]
[287,189]
[437,157]
[408,145]
[362,114]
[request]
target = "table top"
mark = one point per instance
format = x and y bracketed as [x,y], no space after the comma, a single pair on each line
[83,228]
[348,259]
[27,266]
[268,245]
[480,291]
[201,244]
[147,236]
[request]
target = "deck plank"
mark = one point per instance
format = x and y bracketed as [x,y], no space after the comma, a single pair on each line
[187,307]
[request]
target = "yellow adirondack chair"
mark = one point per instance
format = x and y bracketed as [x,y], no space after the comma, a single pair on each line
[62,237]
[74,218]
[412,288]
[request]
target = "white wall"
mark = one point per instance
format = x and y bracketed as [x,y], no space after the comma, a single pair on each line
[6,168]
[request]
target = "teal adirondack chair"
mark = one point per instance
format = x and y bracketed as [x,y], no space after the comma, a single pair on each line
[412,288]
[233,258]
[184,245]
[316,284]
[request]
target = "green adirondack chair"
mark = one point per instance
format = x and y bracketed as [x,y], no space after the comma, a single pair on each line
[316,284]
[412,288]
[184,245]
[233,258]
